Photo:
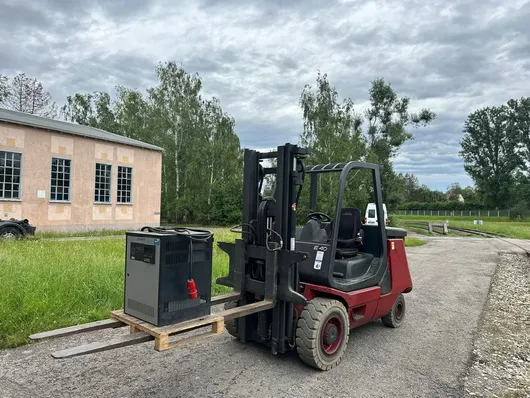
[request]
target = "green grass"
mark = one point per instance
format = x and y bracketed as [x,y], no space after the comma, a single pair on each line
[411,241]
[500,225]
[47,284]
[51,284]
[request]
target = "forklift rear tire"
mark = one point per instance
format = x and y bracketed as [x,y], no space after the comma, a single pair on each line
[231,325]
[396,315]
[322,333]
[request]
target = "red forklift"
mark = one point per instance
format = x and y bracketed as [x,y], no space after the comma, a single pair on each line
[326,277]
[293,287]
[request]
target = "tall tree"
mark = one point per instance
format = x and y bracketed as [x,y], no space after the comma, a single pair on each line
[388,119]
[176,103]
[469,194]
[25,94]
[222,150]
[332,132]
[411,187]
[93,109]
[519,111]
[490,153]
[133,117]
[201,165]
[4,88]
[519,116]
[332,129]
[426,195]
[79,109]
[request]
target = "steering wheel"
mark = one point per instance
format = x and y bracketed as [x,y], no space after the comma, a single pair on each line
[319,216]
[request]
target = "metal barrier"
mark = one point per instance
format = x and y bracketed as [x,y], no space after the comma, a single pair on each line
[452,213]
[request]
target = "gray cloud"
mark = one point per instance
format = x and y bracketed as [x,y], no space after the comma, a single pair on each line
[256,58]
[14,15]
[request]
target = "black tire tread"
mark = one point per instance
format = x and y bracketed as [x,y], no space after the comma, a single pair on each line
[389,319]
[231,325]
[307,332]
[16,232]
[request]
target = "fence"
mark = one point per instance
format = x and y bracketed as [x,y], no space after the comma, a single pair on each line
[453,213]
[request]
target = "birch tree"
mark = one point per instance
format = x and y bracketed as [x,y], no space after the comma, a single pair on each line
[389,121]
[175,102]
[4,88]
[91,109]
[332,132]
[202,160]
[25,94]
[224,158]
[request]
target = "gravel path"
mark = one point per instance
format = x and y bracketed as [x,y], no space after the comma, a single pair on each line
[429,356]
[501,354]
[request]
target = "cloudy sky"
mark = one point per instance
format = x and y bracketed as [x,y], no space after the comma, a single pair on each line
[256,56]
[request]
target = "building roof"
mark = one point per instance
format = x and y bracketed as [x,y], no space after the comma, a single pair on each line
[27,119]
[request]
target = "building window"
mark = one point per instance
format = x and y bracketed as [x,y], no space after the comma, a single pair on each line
[124,184]
[102,187]
[60,179]
[10,166]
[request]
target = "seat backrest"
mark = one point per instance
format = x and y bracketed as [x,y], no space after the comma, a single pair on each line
[350,222]
[311,232]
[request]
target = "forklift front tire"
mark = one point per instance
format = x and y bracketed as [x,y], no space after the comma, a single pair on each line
[396,315]
[231,325]
[322,333]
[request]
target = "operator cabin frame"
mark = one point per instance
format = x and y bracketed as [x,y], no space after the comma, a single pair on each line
[374,258]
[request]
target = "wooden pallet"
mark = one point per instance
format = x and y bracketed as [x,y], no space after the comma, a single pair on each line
[140,331]
[161,334]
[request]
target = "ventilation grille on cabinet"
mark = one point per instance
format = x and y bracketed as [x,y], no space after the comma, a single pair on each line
[141,307]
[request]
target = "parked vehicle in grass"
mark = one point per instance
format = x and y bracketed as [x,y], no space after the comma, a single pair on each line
[12,228]
[370,217]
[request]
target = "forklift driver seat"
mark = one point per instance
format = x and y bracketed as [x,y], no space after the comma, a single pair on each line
[349,239]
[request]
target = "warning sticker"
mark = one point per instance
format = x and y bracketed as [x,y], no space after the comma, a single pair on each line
[318,260]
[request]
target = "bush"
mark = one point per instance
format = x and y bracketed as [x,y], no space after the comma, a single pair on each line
[443,206]
[227,205]
[519,212]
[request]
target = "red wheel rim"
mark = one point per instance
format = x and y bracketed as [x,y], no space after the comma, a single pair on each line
[332,335]
[399,311]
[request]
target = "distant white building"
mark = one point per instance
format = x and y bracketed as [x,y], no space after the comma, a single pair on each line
[460,198]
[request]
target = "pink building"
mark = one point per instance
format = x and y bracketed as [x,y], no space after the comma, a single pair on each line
[67,177]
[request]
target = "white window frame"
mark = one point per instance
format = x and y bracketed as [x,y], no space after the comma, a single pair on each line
[69,199]
[121,193]
[96,196]
[2,178]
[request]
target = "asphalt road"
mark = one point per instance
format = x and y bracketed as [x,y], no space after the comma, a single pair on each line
[426,357]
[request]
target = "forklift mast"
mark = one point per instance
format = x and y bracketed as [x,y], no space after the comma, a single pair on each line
[264,261]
